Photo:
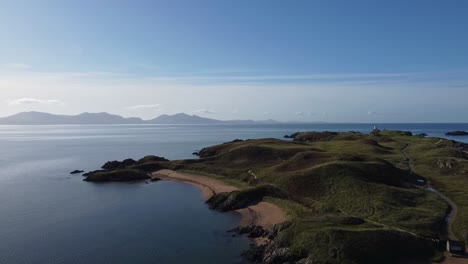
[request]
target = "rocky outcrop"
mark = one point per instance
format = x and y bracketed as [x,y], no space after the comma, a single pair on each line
[76,172]
[117,175]
[457,133]
[224,202]
[292,135]
[445,164]
[116,165]
[89,173]
[314,136]
[275,251]
[234,141]
[151,158]
[126,170]
[252,231]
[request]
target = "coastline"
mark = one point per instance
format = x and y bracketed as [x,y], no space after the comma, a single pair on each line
[264,214]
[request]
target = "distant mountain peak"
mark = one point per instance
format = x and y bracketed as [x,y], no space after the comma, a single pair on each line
[86,118]
[183,118]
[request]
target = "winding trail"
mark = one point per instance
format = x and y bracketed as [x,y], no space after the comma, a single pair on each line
[450,217]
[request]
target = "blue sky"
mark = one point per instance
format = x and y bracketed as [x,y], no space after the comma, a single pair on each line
[337,61]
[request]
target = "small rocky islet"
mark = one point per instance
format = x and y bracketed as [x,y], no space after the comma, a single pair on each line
[126,170]
[457,133]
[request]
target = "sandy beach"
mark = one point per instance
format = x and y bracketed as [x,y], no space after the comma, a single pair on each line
[264,214]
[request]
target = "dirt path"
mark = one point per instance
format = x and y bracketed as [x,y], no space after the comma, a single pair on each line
[264,214]
[450,217]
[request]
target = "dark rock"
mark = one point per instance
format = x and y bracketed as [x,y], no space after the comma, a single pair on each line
[278,255]
[154,179]
[224,202]
[252,231]
[127,163]
[278,228]
[304,261]
[292,135]
[255,253]
[76,172]
[89,173]
[457,133]
[276,252]
[407,133]
[206,153]
[116,165]
[117,175]
[151,158]
[111,165]
[234,141]
[196,153]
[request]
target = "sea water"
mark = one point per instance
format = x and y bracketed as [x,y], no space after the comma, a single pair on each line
[49,216]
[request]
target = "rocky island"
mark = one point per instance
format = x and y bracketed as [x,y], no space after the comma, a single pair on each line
[347,197]
[126,170]
[457,133]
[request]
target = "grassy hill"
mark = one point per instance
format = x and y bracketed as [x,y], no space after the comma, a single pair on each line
[351,197]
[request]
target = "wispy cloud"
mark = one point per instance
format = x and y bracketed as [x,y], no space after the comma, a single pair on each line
[146,106]
[17,66]
[281,77]
[31,101]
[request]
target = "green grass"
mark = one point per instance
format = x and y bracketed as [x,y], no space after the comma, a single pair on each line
[349,194]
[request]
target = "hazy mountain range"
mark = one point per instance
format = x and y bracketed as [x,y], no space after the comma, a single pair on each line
[39,118]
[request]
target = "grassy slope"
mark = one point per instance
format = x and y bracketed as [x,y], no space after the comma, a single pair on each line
[453,182]
[348,176]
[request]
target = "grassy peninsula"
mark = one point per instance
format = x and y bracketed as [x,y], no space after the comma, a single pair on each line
[350,197]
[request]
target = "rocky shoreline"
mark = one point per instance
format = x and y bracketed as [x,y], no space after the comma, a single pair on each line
[261,221]
[273,250]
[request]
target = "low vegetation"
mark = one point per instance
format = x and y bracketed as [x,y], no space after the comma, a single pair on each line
[118,175]
[350,197]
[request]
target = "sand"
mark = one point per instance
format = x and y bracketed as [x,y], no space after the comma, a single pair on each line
[264,214]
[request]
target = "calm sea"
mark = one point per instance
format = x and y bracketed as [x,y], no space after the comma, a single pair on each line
[49,216]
